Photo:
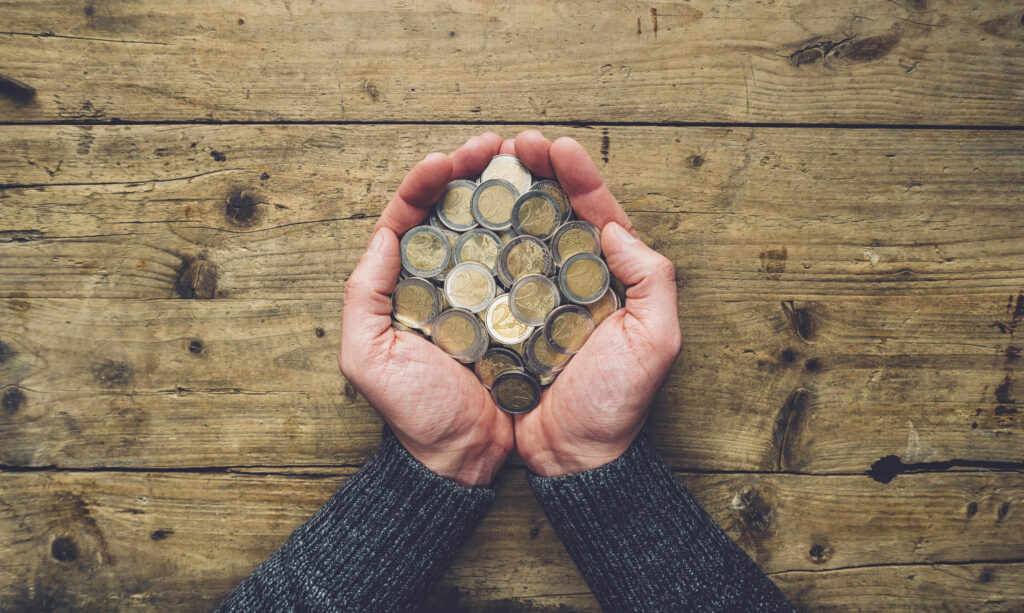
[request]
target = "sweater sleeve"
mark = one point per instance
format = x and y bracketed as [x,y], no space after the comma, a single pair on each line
[377,545]
[643,543]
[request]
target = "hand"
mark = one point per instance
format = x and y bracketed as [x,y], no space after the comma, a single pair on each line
[593,411]
[436,407]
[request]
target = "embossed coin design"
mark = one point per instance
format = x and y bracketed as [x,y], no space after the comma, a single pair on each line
[460,334]
[567,328]
[508,168]
[574,237]
[454,208]
[540,358]
[583,278]
[494,362]
[425,251]
[415,303]
[515,392]
[492,204]
[502,325]
[607,304]
[478,245]
[521,256]
[469,286]
[553,189]
[536,214]
[531,299]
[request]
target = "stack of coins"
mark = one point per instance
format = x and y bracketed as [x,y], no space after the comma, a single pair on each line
[504,277]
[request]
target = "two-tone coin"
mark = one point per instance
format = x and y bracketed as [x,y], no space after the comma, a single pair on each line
[574,237]
[521,256]
[604,306]
[502,325]
[454,208]
[492,204]
[554,189]
[470,286]
[567,328]
[540,358]
[537,214]
[425,252]
[508,168]
[478,245]
[532,297]
[515,392]
[495,361]
[460,334]
[583,278]
[415,303]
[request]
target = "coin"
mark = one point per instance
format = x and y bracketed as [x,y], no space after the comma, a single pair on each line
[540,358]
[567,328]
[536,214]
[509,168]
[604,306]
[460,334]
[574,237]
[547,379]
[478,245]
[425,251]
[453,209]
[506,236]
[494,362]
[583,278]
[470,286]
[502,325]
[492,204]
[521,256]
[452,238]
[515,392]
[531,298]
[553,189]
[415,303]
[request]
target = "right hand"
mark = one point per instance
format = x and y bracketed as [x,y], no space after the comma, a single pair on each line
[593,411]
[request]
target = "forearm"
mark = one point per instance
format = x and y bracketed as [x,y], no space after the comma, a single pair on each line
[643,543]
[381,540]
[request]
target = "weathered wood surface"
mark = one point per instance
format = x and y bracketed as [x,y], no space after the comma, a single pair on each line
[790,61]
[152,541]
[284,211]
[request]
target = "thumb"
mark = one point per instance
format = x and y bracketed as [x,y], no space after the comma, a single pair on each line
[366,315]
[651,295]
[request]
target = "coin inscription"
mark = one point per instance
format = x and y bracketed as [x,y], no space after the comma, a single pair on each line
[414,303]
[584,278]
[524,259]
[455,334]
[574,240]
[456,206]
[425,251]
[534,300]
[495,204]
[480,249]
[469,287]
[536,216]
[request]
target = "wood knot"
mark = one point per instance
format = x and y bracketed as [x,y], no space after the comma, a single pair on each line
[113,374]
[754,512]
[197,278]
[819,554]
[13,400]
[6,353]
[159,535]
[63,549]
[799,317]
[195,346]
[241,207]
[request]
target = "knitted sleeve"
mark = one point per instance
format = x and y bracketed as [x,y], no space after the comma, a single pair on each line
[377,545]
[643,543]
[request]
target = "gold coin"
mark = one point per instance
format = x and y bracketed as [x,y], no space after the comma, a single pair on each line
[495,204]
[480,248]
[574,240]
[505,324]
[524,259]
[414,305]
[607,304]
[515,392]
[545,354]
[455,335]
[534,301]
[425,251]
[469,287]
[456,206]
[584,278]
[568,328]
[537,217]
[495,362]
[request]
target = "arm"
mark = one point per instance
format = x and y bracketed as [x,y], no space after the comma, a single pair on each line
[381,540]
[641,540]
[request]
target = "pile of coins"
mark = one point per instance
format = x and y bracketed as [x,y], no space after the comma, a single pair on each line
[504,277]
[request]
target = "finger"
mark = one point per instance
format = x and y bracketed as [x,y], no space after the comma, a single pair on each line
[419,190]
[590,197]
[366,316]
[509,146]
[470,159]
[535,151]
[651,296]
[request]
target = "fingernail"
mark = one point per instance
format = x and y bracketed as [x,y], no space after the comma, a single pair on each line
[621,233]
[376,242]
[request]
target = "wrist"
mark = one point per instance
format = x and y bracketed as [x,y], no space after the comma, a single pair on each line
[471,461]
[550,452]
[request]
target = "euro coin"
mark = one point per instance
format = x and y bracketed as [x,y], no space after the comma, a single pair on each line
[574,237]
[521,256]
[425,252]
[415,303]
[553,189]
[494,362]
[478,245]
[540,358]
[460,334]
[453,209]
[604,306]
[567,328]
[508,168]
[583,278]
[515,392]
[470,286]
[492,204]
[536,214]
[531,299]
[502,325]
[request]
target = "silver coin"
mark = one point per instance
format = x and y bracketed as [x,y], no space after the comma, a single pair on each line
[574,237]
[453,209]
[537,214]
[583,278]
[515,392]
[492,204]
[425,251]
[509,168]
[502,325]
[470,286]
[531,299]
[521,256]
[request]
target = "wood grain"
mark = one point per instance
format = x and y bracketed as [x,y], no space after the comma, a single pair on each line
[784,214]
[169,541]
[791,61]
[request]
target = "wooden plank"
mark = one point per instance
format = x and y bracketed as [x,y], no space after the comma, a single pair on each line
[168,541]
[150,212]
[192,383]
[791,61]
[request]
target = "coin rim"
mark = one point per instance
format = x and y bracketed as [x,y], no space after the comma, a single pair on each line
[435,311]
[517,207]
[564,287]
[474,204]
[502,268]
[489,323]
[479,346]
[551,318]
[516,373]
[407,265]
[439,211]
[491,287]
[544,281]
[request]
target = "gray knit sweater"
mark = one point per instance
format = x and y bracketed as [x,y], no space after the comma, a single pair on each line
[641,540]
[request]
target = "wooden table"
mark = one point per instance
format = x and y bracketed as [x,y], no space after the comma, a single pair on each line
[186,190]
